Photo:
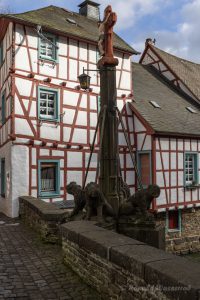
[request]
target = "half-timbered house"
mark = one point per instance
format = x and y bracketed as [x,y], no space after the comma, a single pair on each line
[166,133]
[47,122]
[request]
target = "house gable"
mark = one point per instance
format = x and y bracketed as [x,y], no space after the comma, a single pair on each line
[172,68]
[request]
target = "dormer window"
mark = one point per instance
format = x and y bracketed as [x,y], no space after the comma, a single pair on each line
[71,21]
[191,109]
[47,47]
[154,104]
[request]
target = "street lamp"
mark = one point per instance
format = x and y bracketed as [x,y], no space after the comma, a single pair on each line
[84,80]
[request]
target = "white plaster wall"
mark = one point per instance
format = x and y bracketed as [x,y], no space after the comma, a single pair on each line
[138,125]
[80,136]
[20,184]
[24,86]
[21,59]
[74,159]
[50,131]
[147,143]
[22,127]
[6,203]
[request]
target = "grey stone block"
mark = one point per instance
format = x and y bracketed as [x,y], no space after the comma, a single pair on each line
[72,230]
[179,241]
[100,242]
[179,276]
[134,257]
[151,236]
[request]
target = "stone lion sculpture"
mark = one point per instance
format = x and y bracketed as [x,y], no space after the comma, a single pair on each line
[79,197]
[91,198]
[96,203]
[140,202]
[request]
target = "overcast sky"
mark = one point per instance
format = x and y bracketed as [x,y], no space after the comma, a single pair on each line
[175,24]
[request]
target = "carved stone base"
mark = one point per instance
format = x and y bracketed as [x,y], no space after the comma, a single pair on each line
[145,232]
[107,61]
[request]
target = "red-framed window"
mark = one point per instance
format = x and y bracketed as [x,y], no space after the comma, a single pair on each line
[174,219]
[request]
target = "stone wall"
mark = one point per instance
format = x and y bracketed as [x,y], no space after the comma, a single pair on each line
[187,240]
[45,218]
[123,268]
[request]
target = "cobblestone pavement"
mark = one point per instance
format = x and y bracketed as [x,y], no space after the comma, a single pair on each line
[30,269]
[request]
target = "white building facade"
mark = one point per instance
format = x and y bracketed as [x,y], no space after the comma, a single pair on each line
[47,122]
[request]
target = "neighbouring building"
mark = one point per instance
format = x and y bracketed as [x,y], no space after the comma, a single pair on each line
[47,122]
[166,129]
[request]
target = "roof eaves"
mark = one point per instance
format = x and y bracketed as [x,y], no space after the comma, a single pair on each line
[142,118]
[176,134]
[17,18]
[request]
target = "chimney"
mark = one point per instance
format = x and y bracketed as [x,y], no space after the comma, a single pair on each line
[90,9]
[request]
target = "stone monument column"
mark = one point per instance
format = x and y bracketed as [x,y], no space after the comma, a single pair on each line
[109,161]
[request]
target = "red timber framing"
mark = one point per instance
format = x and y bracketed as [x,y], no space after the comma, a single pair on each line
[167,158]
[22,101]
[170,153]
[6,82]
[67,170]
[71,60]
[156,61]
[140,135]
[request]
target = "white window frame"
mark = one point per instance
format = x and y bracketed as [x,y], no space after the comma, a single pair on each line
[43,44]
[46,116]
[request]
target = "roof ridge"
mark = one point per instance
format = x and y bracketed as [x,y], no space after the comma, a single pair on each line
[179,58]
[28,11]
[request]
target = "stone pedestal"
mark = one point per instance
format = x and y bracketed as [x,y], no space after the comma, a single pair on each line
[145,232]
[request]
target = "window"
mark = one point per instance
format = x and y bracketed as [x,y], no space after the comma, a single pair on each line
[144,167]
[3,177]
[49,178]
[98,56]
[48,104]
[47,47]
[173,219]
[191,169]
[3,108]
[1,53]
[98,104]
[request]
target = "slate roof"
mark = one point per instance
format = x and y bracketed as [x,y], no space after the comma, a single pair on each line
[55,18]
[172,117]
[187,71]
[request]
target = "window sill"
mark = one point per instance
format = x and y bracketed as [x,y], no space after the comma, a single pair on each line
[48,60]
[174,230]
[56,195]
[56,121]
[192,187]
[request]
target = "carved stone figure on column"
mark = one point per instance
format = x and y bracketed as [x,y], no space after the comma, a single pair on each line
[106,38]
